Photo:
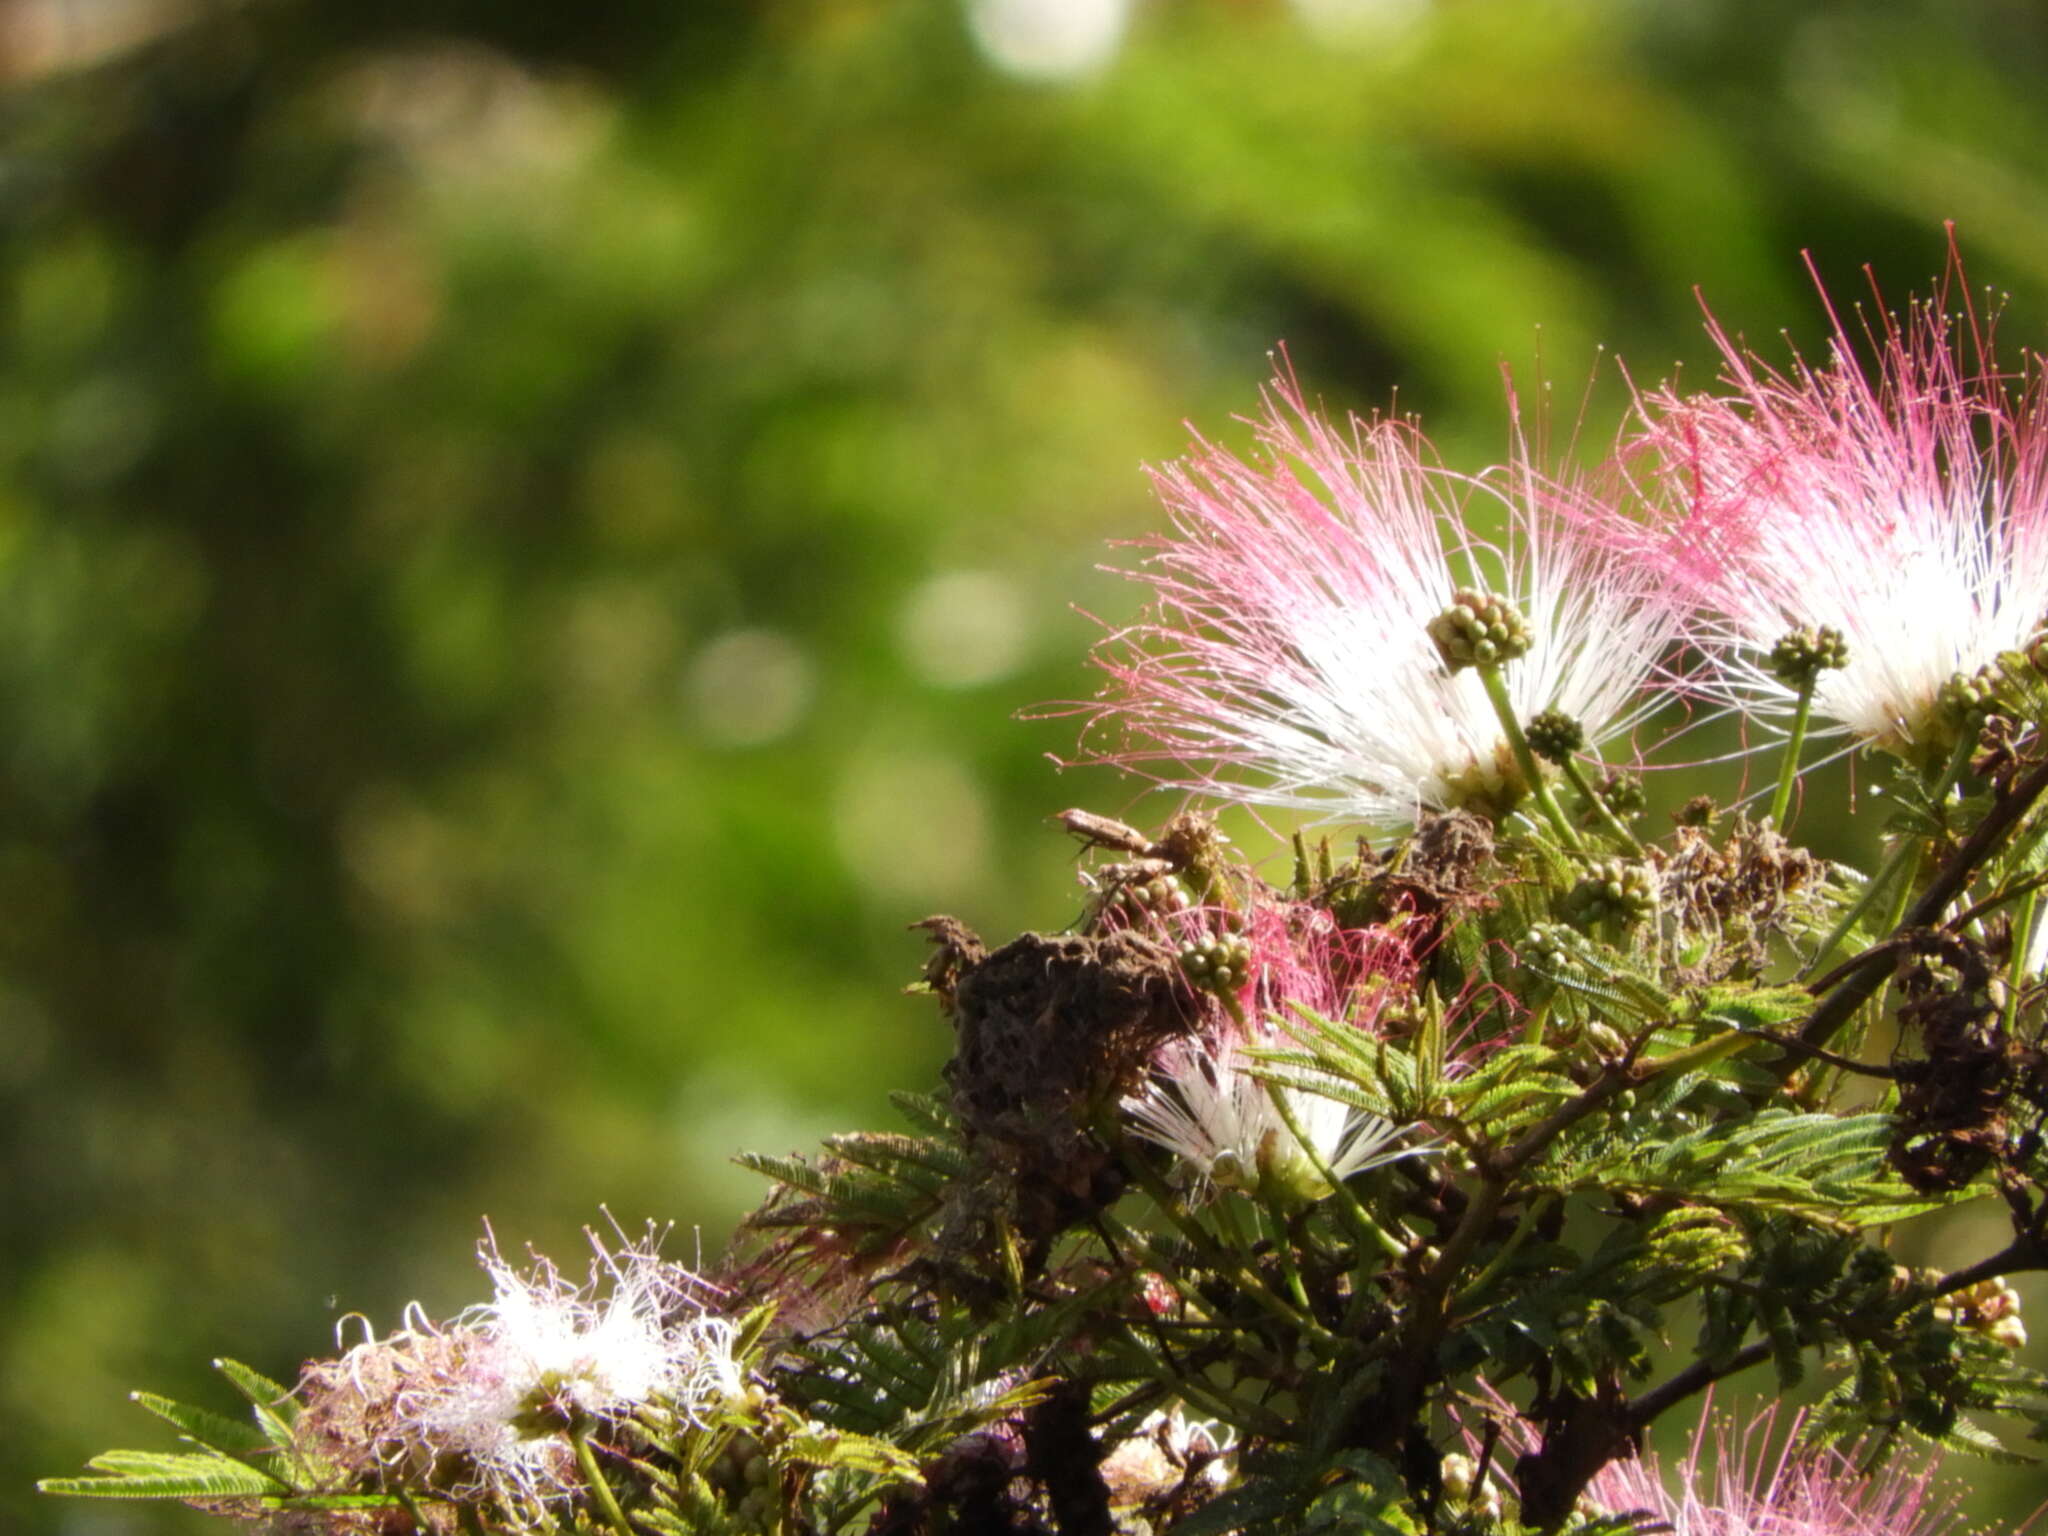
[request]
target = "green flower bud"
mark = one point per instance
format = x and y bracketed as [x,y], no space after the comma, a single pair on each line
[1478,630]
[1991,1307]
[1491,789]
[1622,791]
[2008,1331]
[1606,1041]
[1967,699]
[1463,1486]
[1612,888]
[1161,893]
[1217,965]
[1554,735]
[1548,947]
[1801,656]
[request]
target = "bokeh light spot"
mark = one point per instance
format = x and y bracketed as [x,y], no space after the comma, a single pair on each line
[1359,22]
[912,825]
[99,429]
[1048,39]
[748,687]
[965,628]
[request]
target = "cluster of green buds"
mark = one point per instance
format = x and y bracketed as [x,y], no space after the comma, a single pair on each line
[1465,1488]
[1968,699]
[1990,1307]
[1622,792]
[1612,888]
[1479,630]
[1217,965]
[1492,786]
[1800,657]
[1549,948]
[1159,894]
[746,1475]
[1554,735]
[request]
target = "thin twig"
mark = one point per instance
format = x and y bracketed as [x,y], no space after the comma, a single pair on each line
[1840,1005]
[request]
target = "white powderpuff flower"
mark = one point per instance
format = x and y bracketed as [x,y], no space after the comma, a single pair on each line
[1900,502]
[1287,658]
[545,1358]
[1202,1105]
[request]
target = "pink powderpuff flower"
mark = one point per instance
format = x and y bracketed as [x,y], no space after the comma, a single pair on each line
[1203,1104]
[1902,503]
[1733,1480]
[1299,957]
[1733,1483]
[1287,659]
[1220,1120]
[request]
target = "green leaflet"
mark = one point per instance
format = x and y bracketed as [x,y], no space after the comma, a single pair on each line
[274,1407]
[214,1430]
[1815,1164]
[840,1450]
[1753,1007]
[167,1475]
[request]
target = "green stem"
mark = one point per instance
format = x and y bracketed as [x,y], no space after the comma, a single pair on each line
[1499,1262]
[1155,1256]
[1576,775]
[1283,1245]
[1539,1020]
[1504,708]
[1222,1256]
[1233,1232]
[1895,862]
[600,1489]
[1996,899]
[2022,942]
[1788,771]
[1363,1227]
[1902,897]
[1169,1206]
[1703,1054]
[1938,782]
[2021,852]
[1235,1009]
[1244,1417]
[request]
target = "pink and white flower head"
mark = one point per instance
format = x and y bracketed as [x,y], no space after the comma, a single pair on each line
[1206,1108]
[545,1356]
[1902,503]
[1204,1105]
[1287,658]
[1748,1483]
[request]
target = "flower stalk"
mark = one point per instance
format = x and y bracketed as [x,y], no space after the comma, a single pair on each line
[594,1479]
[1532,772]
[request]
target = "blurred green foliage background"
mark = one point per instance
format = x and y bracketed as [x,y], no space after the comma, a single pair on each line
[523,529]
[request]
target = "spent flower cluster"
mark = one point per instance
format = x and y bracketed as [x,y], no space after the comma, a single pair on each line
[545,1359]
[1412,1176]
